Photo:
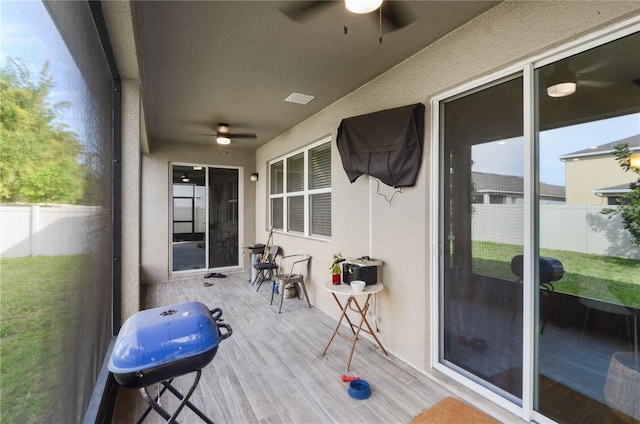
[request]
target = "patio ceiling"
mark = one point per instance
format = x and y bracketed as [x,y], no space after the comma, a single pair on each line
[204,62]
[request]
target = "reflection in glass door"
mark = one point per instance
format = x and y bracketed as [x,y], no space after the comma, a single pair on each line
[482,230]
[588,361]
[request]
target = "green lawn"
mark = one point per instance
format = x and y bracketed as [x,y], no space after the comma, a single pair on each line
[34,297]
[607,278]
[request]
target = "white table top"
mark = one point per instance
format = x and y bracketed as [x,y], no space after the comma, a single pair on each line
[347,290]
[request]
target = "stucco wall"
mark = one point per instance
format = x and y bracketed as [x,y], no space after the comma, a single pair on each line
[130,198]
[155,226]
[398,233]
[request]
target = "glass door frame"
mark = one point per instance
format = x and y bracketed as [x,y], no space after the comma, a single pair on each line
[240,206]
[530,266]
[437,230]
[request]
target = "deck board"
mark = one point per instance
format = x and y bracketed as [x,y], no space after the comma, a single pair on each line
[271,369]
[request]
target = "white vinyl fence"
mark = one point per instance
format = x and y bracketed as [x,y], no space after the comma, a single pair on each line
[55,230]
[580,228]
[47,230]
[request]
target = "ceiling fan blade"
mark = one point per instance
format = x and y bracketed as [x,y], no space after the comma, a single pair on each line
[302,11]
[393,16]
[596,66]
[595,84]
[242,135]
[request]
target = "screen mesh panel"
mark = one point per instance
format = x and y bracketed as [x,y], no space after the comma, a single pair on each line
[65,281]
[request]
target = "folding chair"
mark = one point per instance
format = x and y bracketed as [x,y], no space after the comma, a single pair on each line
[293,268]
[266,267]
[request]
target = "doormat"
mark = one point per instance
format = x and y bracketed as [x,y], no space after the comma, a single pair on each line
[453,411]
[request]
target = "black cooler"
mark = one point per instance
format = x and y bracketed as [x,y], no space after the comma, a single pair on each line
[364,269]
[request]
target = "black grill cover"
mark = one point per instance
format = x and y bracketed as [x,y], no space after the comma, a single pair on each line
[386,145]
[551,269]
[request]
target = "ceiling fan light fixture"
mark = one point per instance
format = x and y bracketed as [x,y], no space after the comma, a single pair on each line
[362,6]
[221,139]
[561,82]
[561,89]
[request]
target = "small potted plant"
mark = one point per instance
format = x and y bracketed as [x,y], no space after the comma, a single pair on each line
[335,269]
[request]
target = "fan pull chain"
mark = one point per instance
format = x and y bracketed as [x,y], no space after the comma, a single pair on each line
[380,25]
[346,15]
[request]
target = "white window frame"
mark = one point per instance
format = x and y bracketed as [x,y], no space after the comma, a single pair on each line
[306,192]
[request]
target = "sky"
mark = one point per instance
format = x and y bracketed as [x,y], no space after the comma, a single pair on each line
[561,141]
[506,157]
[27,32]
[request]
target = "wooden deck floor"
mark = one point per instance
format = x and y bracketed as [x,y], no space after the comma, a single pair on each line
[271,369]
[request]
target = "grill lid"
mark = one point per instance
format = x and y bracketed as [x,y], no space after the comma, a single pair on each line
[159,336]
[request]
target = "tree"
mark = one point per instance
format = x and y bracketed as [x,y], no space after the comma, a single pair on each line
[38,155]
[629,203]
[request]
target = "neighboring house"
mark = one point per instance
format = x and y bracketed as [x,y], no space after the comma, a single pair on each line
[508,189]
[611,194]
[593,176]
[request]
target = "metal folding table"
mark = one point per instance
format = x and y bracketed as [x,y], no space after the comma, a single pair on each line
[359,322]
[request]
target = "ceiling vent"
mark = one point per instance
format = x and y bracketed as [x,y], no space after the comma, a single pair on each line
[301,99]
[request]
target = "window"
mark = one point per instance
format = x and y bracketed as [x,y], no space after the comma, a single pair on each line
[497,199]
[276,172]
[300,191]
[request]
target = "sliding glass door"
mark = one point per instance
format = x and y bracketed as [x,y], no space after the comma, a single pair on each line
[223,217]
[189,215]
[482,204]
[588,363]
[539,235]
[205,214]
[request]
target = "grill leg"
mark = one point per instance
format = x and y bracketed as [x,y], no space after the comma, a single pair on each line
[187,402]
[153,402]
[145,394]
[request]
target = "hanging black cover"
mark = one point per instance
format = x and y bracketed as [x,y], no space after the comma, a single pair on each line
[386,145]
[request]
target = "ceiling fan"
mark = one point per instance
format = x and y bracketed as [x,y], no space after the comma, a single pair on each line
[566,76]
[224,136]
[391,14]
